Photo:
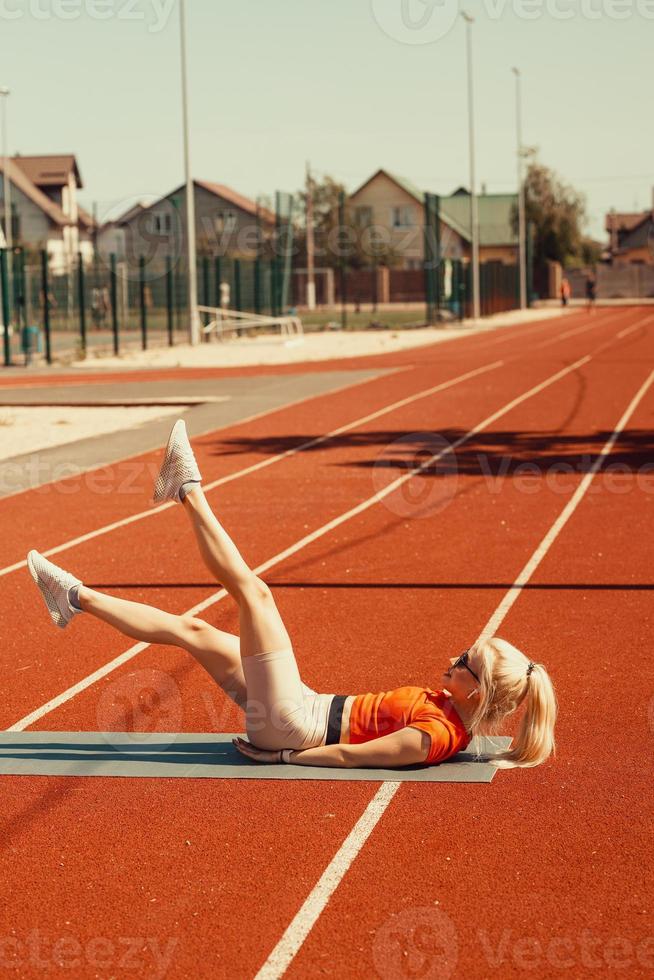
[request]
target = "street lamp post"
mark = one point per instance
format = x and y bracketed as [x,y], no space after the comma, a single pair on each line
[194,326]
[4,95]
[474,211]
[522,237]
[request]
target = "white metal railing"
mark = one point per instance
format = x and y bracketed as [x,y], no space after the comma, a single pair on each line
[222,321]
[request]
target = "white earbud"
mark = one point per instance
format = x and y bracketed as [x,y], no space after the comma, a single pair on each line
[472,694]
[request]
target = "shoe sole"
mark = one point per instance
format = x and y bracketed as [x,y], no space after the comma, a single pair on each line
[53,608]
[161,484]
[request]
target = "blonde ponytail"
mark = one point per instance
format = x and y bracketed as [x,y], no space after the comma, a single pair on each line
[507,680]
[534,742]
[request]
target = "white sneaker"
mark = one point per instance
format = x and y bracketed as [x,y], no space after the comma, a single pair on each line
[179,465]
[54,584]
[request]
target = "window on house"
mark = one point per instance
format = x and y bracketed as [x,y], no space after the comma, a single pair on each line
[15,224]
[225,221]
[363,217]
[162,224]
[401,217]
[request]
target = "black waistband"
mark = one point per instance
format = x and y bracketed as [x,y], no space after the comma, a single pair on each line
[334,719]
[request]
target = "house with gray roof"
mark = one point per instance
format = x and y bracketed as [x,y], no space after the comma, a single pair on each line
[395,207]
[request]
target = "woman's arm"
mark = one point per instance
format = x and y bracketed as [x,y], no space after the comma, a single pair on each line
[408,747]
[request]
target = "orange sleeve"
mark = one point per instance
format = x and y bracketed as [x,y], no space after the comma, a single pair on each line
[439,734]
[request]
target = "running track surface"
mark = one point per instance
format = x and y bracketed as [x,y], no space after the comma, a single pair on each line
[544,873]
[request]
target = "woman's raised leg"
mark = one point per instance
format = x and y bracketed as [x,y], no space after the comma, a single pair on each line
[218,652]
[275,713]
[261,627]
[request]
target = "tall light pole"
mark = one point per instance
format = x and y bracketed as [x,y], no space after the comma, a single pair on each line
[4,95]
[194,325]
[522,235]
[474,211]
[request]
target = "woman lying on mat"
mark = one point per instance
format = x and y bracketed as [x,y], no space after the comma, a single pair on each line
[285,720]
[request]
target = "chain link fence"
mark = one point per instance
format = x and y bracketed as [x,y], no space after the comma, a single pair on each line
[102,307]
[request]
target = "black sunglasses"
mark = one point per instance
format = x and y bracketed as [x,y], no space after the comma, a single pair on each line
[462,661]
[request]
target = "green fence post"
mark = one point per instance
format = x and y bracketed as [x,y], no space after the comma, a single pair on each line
[20,291]
[6,315]
[341,261]
[273,286]
[218,279]
[530,263]
[257,285]
[113,285]
[45,289]
[464,289]
[375,284]
[81,297]
[429,281]
[205,281]
[432,255]
[237,284]
[169,301]
[144,314]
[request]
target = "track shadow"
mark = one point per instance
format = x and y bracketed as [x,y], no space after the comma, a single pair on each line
[495,453]
[184,754]
[536,586]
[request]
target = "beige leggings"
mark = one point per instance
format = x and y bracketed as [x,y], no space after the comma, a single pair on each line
[281,711]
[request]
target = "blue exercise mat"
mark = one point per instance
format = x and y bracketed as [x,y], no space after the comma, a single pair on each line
[206,756]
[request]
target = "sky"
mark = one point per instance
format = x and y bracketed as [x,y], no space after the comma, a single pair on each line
[350,85]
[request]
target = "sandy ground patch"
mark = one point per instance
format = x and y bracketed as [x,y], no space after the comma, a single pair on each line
[319,346]
[28,430]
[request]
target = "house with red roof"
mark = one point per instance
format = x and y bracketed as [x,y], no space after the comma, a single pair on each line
[45,213]
[227,223]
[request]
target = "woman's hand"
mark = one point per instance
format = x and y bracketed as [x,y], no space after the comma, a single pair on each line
[259,755]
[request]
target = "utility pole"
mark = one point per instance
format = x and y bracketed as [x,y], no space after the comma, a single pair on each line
[522,229]
[191,259]
[311,277]
[474,212]
[341,260]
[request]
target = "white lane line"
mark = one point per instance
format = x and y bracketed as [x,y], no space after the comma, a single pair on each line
[330,879]
[228,425]
[299,545]
[600,322]
[133,518]
[142,515]
[303,922]
[527,330]
[564,516]
[628,330]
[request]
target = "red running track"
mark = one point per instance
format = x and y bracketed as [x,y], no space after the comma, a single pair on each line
[543,871]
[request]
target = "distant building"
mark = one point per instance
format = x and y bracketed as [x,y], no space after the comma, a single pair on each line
[396,206]
[227,223]
[45,213]
[631,236]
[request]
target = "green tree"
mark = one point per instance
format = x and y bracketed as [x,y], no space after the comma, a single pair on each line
[360,244]
[558,215]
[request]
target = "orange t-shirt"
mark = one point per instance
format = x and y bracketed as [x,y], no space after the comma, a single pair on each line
[374,715]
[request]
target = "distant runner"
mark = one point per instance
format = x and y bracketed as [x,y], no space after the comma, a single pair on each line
[565,291]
